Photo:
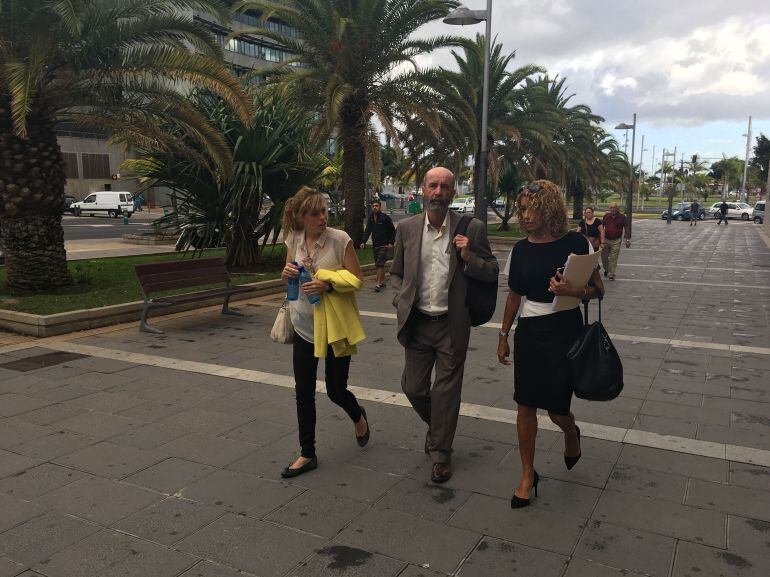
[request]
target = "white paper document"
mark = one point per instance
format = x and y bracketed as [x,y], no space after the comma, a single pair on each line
[577,270]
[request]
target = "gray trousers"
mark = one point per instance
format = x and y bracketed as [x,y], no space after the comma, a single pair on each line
[610,254]
[429,347]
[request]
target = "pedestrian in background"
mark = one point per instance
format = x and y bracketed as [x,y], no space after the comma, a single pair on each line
[723,208]
[434,324]
[615,227]
[542,339]
[311,244]
[694,210]
[591,228]
[383,232]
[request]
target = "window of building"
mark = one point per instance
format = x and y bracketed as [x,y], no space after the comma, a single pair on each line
[96,166]
[71,165]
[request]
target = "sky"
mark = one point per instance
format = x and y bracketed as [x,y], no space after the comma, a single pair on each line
[692,70]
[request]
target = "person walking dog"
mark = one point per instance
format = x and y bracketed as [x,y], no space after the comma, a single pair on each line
[429,281]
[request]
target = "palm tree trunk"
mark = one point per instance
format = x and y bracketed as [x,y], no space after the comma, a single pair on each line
[353,168]
[31,201]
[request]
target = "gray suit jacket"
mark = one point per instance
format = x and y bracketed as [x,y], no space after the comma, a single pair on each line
[404,274]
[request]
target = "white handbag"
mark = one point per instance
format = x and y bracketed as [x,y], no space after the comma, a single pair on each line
[283,331]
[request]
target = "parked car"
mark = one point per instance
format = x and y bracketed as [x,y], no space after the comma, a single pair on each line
[107,202]
[739,210]
[68,202]
[464,204]
[681,211]
[499,203]
[758,213]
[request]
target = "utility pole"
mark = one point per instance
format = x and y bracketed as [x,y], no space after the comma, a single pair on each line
[652,161]
[746,163]
[681,172]
[670,194]
[641,175]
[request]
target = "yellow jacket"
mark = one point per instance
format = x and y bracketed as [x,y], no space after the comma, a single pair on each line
[336,320]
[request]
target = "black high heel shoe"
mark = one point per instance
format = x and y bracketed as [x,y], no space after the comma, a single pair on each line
[362,441]
[572,461]
[518,502]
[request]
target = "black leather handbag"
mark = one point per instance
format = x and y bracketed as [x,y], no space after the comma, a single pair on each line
[597,372]
[481,297]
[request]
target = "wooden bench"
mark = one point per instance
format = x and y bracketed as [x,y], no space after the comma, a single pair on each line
[165,276]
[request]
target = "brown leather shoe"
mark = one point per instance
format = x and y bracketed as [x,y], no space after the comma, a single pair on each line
[441,472]
[428,442]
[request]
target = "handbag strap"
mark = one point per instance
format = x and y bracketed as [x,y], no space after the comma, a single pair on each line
[585,310]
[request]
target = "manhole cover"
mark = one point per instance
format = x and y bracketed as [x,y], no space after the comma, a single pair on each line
[41,361]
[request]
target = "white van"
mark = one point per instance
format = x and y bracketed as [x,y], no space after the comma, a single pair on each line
[109,203]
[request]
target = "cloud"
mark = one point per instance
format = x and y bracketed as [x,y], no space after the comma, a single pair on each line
[685,63]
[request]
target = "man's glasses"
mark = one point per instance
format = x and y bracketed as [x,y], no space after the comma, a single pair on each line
[533,188]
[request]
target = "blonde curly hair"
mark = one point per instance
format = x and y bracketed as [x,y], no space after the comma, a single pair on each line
[305,200]
[548,204]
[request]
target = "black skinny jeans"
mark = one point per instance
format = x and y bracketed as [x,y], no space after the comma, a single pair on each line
[305,369]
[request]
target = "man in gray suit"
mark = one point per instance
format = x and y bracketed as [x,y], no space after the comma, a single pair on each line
[433,320]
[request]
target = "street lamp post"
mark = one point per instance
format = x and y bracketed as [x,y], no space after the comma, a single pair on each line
[462,16]
[641,175]
[670,194]
[630,198]
[744,196]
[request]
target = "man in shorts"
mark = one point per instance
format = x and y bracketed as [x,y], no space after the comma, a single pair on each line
[383,232]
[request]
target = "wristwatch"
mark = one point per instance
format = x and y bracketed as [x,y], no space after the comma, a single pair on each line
[502,333]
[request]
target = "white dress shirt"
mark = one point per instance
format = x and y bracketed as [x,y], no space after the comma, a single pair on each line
[433,288]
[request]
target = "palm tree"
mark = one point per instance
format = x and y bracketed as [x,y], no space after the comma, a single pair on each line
[349,67]
[115,65]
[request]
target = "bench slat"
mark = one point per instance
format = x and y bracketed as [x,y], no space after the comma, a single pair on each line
[201,295]
[173,284]
[193,276]
[172,275]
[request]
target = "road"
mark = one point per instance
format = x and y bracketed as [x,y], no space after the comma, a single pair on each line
[102,227]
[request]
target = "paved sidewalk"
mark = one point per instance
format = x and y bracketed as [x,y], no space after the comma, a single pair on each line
[125,454]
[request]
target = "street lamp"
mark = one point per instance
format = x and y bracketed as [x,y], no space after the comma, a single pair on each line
[630,199]
[744,196]
[642,150]
[663,185]
[462,16]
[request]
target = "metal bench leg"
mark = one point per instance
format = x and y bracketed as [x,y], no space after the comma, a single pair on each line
[143,326]
[226,310]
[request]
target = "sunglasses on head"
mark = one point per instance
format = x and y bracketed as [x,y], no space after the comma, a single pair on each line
[533,188]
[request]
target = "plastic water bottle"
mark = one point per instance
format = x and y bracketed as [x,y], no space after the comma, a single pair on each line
[292,293]
[304,277]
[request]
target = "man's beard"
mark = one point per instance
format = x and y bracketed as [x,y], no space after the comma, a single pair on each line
[437,205]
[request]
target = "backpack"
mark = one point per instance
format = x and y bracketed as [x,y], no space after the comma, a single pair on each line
[480,297]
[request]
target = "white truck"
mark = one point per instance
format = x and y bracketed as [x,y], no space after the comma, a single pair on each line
[107,202]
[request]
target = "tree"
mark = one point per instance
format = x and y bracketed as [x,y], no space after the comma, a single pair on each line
[347,69]
[761,160]
[728,171]
[119,66]
[273,156]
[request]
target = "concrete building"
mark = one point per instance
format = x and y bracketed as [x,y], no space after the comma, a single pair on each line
[93,164]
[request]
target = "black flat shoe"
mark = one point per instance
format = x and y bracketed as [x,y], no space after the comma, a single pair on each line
[365,439]
[572,461]
[289,473]
[518,502]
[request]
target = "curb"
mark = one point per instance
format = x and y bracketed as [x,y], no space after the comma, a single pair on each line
[68,322]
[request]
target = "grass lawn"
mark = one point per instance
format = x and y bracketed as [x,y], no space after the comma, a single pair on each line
[111,281]
[515,231]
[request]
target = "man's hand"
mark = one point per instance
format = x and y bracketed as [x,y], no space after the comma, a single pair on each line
[362,245]
[462,243]
[628,243]
[503,351]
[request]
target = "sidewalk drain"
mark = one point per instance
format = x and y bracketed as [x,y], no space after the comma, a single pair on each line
[41,361]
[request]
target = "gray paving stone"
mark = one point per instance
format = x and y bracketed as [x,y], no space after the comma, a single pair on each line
[107,402]
[36,481]
[15,432]
[52,446]
[617,546]
[111,461]
[112,554]
[201,420]
[665,426]
[151,411]
[12,404]
[670,519]
[729,499]
[582,568]
[60,393]
[532,526]
[232,539]
[693,560]
[51,414]
[675,463]
[98,500]
[260,432]
[341,560]
[647,483]
[495,558]
[9,569]
[98,425]
[409,539]
[12,463]
[264,462]
[206,569]
[751,476]
[150,436]
[748,535]
[41,537]
[241,493]
[317,513]
[415,571]
[170,476]
[735,436]
[207,449]
[425,500]
[392,460]
[168,521]
[16,512]
[347,481]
